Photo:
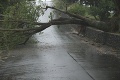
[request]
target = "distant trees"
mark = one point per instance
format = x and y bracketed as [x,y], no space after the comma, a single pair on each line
[102,10]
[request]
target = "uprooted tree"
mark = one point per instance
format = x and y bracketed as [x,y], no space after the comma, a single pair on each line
[19,24]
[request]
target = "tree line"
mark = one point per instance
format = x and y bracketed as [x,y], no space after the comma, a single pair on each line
[101,10]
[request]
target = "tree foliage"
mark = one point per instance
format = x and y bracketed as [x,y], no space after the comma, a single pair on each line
[102,8]
[77,8]
[18,12]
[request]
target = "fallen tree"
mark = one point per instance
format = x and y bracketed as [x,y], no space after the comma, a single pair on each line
[28,32]
[93,23]
[73,19]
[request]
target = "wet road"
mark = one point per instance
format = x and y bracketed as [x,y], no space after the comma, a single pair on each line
[59,56]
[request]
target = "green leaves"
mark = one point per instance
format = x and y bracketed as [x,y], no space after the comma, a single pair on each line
[77,9]
[103,8]
[20,11]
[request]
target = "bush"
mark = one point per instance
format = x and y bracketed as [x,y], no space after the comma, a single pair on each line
[77,8]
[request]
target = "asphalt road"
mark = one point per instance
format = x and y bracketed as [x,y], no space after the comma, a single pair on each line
[59,55]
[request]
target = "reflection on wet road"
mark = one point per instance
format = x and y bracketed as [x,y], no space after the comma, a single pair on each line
[59,56]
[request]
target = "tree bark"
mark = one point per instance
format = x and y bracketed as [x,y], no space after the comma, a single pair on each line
[59,21]
[116,17]
[105,26]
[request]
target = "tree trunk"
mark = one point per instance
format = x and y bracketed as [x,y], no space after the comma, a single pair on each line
[116,17]
[105,26]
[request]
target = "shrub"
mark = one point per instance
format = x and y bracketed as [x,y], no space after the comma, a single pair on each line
[77,8]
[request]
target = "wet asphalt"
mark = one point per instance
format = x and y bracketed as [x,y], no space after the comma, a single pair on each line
[59,55]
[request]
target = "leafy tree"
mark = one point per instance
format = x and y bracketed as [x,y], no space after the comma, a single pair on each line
[18,12]
[102,10]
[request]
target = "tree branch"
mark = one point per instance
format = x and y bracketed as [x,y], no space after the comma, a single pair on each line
[59,21]
[93,23]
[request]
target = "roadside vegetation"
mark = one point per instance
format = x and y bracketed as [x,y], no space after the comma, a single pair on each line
[12,13]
